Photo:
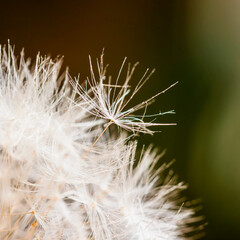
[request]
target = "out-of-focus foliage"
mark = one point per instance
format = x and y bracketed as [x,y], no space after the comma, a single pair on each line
[215,153]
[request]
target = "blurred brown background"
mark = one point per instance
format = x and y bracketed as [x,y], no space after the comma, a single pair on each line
[194,42]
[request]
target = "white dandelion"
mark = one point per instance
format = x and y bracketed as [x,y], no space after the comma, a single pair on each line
[55,185]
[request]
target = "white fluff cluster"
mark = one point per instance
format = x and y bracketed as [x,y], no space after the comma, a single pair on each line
[67,171]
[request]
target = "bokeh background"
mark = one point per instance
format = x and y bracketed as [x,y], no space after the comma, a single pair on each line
[194,42]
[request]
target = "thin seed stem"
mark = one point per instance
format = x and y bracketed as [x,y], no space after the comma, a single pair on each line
[111,121]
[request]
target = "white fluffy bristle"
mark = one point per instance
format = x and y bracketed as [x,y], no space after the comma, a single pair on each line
[63,172]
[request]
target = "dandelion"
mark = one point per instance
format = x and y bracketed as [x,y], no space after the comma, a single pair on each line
[53,185]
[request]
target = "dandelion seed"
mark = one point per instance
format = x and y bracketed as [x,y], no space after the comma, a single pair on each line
[106,103]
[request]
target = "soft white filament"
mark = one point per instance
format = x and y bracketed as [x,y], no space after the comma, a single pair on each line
[50,188]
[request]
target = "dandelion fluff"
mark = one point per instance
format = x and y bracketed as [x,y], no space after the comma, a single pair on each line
[64,174]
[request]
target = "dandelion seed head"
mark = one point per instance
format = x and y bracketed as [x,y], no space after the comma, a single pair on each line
[48,190]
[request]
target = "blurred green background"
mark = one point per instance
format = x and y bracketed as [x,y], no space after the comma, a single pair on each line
[194,42]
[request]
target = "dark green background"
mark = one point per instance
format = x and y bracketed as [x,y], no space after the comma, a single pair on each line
[194,42]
